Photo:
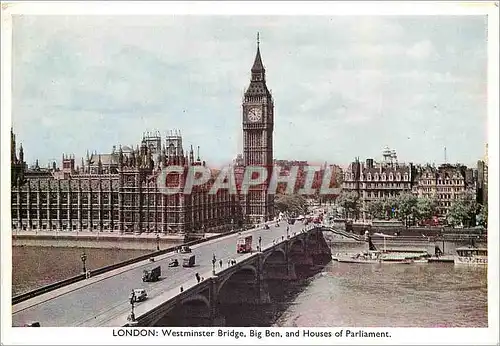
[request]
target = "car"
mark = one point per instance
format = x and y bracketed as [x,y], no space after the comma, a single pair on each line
[185,249]
[32,324]
[174,263]
[138,294]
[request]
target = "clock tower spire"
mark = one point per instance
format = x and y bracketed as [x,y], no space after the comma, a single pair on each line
[258,125]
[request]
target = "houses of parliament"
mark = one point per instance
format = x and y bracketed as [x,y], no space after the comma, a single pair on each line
[118,191]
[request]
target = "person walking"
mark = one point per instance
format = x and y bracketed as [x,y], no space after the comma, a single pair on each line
[220,262]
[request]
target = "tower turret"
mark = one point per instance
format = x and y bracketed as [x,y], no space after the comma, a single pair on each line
[21,154]
[191,155]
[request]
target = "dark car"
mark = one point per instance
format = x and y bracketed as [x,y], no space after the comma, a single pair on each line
[185,249]
[174,263]
[32,324]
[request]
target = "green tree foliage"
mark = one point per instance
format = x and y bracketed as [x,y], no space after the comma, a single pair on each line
[406,206]
[375,209]
[482,217]
[426,209]
[350,202]
[292,204]
[463,211]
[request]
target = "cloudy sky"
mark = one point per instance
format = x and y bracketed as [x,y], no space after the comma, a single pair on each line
[343,86]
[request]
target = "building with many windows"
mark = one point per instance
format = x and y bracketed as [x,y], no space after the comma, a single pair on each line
[444,184]
[117,192]
[378,180]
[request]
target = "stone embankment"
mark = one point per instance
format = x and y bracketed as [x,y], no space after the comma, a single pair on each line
[145,241]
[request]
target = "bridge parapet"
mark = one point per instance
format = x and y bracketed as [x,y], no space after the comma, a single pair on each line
[244,282]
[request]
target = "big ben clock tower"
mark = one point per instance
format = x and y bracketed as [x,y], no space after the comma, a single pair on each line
[258,123]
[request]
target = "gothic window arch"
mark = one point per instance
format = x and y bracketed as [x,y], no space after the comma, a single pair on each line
[376,176]
[391,176]
[369,176]
[384,177]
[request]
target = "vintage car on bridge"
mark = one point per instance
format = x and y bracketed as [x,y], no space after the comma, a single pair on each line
[185,249]
[174,263]
[32,324]
[138,295]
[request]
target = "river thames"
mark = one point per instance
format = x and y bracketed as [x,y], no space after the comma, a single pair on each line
[391,295]
[340,295]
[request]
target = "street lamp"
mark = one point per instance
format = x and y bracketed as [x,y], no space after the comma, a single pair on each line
[157,242]
[132,301]
[213,266]
[84,258]
[260,244]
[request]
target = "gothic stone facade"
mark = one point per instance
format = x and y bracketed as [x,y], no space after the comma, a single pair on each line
[117,192]
[258,125]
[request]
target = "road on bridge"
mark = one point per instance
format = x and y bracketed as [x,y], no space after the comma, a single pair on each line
[81,303]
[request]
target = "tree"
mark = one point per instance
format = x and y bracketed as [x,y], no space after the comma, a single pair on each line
[292,204]
[376,209]
[406,206]
[390,206]
[426,208]
[463,211]
[482,217]
[350,202]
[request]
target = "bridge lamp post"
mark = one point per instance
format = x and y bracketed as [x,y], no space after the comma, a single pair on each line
[157,242]
[132,301]
[83,257]
[260,244]
[213,266]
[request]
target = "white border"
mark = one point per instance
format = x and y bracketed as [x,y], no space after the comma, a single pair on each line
[458,336]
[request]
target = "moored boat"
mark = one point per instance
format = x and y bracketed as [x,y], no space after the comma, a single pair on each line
[372,257]
[471,255]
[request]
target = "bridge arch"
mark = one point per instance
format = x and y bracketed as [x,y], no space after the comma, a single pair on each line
[192,311]
[297,244]
[196,300]
[243,270]
[277,255]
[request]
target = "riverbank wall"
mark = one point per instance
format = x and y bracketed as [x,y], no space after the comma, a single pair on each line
[416,243]
[101,241]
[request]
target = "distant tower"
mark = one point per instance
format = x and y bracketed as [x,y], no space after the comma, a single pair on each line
[258,125]
[387,154]
[173,144]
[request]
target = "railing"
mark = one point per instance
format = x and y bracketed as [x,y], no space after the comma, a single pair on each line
[47,288]
[51,287]
[191,286]
[342,233]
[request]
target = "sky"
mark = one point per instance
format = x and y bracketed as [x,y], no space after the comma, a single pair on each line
[343,86]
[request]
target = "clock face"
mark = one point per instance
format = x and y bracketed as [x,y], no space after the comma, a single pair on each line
[254,114]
